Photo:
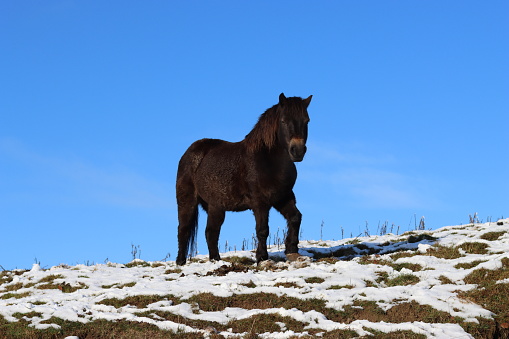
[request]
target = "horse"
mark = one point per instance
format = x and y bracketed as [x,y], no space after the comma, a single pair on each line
[257,173]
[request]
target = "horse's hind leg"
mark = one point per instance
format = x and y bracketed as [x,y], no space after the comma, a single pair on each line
[293,218]
[215,220]
[188,219]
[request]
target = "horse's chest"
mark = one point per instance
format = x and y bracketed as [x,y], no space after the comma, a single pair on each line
[274,181]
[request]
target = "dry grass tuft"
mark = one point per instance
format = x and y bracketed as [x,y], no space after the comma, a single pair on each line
[444,252]
[492,236]
[474,247]
[140,301]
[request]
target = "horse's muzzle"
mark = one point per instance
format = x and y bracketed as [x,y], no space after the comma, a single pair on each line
[297,149]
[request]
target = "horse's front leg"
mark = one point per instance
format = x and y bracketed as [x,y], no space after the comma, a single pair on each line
[293,218]
[262,232]
[215,219]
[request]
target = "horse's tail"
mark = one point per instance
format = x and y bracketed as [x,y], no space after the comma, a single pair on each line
[187,200]
[191,246]
[188,225]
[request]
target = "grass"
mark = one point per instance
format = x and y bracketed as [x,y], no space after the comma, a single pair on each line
[469,265]
[338,287]
[314,280]
[474,247]
[492,236]
[490,292]
[409,266]
[131,284]
[137,263]
[209,303]
[15,295]
[444,252]
[94,329]
[139,301]
[287,285]
[445,281]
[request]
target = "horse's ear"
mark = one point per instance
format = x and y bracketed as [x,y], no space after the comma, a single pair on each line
[282,99]
[307,101]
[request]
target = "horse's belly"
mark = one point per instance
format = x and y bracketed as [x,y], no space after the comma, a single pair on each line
[226,199]
[221,183]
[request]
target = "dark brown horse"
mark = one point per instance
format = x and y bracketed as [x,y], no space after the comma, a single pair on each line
[257,173]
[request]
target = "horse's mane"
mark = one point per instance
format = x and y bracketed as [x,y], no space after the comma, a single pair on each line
[264,133]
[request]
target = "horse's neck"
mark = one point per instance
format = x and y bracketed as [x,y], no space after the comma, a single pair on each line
[276,156]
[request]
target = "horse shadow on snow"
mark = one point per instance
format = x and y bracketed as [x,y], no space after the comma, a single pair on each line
[355,249]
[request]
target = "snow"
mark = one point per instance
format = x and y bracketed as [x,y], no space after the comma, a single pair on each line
[104,281]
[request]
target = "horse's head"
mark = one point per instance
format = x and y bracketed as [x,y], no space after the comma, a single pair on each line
[293,125]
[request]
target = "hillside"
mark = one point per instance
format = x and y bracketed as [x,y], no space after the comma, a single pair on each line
[449,283]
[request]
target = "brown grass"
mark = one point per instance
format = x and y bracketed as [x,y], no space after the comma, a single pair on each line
[140,301]
[488,293]
[94,329]
[208,302]
[474,247]
[492,236]
[444,252]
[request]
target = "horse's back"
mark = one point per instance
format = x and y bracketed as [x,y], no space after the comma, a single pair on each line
[216,169]
[194,155]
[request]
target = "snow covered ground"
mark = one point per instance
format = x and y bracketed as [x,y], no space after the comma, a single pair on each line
[78,293]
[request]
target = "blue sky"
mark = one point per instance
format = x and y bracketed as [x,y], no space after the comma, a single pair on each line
[100,99]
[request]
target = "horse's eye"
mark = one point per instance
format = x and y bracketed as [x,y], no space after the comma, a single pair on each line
[283,122]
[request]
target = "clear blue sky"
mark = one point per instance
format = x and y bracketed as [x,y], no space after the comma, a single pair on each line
[98,101]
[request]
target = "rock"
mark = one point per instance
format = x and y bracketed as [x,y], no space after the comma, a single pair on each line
[293,256]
